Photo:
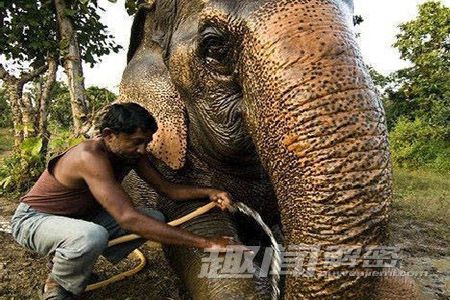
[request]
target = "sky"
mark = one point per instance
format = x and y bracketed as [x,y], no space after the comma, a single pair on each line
[381,18]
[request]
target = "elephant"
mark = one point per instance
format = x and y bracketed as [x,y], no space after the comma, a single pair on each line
[271,101]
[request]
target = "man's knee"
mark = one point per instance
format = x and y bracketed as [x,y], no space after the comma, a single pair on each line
[93,240]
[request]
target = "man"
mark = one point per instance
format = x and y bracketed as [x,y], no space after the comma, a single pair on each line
[78,204]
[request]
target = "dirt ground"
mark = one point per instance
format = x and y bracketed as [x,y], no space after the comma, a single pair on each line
[22,272]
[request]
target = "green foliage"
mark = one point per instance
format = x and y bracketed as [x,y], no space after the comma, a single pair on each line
[424,41]
[417,99]
[98,98]
[20,170]
[131,6]
[5,115]
[29,31]
[22,167]
[357,19]
[423,90]
[61,141]
[93,36]
[416,144]
[60,111]
[6,140]
[379,79]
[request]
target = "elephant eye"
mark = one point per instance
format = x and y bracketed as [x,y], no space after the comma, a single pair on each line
[216,53]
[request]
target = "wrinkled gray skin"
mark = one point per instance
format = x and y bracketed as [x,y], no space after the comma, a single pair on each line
[271,101]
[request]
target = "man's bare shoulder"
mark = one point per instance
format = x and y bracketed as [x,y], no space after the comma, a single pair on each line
[94,146]
[87,158]
[91,153]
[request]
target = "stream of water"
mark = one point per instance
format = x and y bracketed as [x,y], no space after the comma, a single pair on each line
[276,258]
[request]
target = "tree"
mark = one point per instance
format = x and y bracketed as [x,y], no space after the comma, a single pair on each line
[98,98]
[32,43]
[30,38]
[14,88]
[5,116]
[417,99]
[70,16]
[423,90]
[46,86]
[26,43]
[59,113]
[60,108]
[72,64]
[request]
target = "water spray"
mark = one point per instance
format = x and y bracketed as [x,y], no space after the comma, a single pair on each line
[276,258]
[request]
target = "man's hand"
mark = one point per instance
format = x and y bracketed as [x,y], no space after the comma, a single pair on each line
[224,244]
[221,198]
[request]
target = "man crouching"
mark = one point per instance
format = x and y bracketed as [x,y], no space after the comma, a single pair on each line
[78,203]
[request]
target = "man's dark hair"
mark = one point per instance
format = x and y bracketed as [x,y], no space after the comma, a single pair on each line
[127,118]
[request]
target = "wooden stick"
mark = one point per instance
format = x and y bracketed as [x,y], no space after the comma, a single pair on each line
[131,237]
[199,211]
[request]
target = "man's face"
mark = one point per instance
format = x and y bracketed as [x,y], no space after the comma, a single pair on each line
[128,148]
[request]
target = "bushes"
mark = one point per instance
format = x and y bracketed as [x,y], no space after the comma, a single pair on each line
[417,144]
[20,170]
[61,141]
[5,115]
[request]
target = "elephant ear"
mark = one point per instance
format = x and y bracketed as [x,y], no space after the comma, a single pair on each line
[146,81]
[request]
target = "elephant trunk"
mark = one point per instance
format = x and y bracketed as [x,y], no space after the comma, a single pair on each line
[320,131]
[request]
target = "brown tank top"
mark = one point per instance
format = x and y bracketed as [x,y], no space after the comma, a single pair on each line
[48,195]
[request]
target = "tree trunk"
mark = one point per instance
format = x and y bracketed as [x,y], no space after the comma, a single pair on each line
[72,66]
[14,87]
[43,104]
[14,95]
[28,116]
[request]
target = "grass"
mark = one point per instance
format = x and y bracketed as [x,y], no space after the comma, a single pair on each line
[422,195]
[421,200]
[6,141]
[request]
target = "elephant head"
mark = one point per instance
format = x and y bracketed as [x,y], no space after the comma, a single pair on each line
[273,85]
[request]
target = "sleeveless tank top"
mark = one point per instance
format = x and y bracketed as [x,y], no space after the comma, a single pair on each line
[48,195]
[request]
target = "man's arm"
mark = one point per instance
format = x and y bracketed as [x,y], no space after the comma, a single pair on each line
[179,191]
[97,172]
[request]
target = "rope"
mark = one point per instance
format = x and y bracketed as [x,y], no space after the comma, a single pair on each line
[142,262]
